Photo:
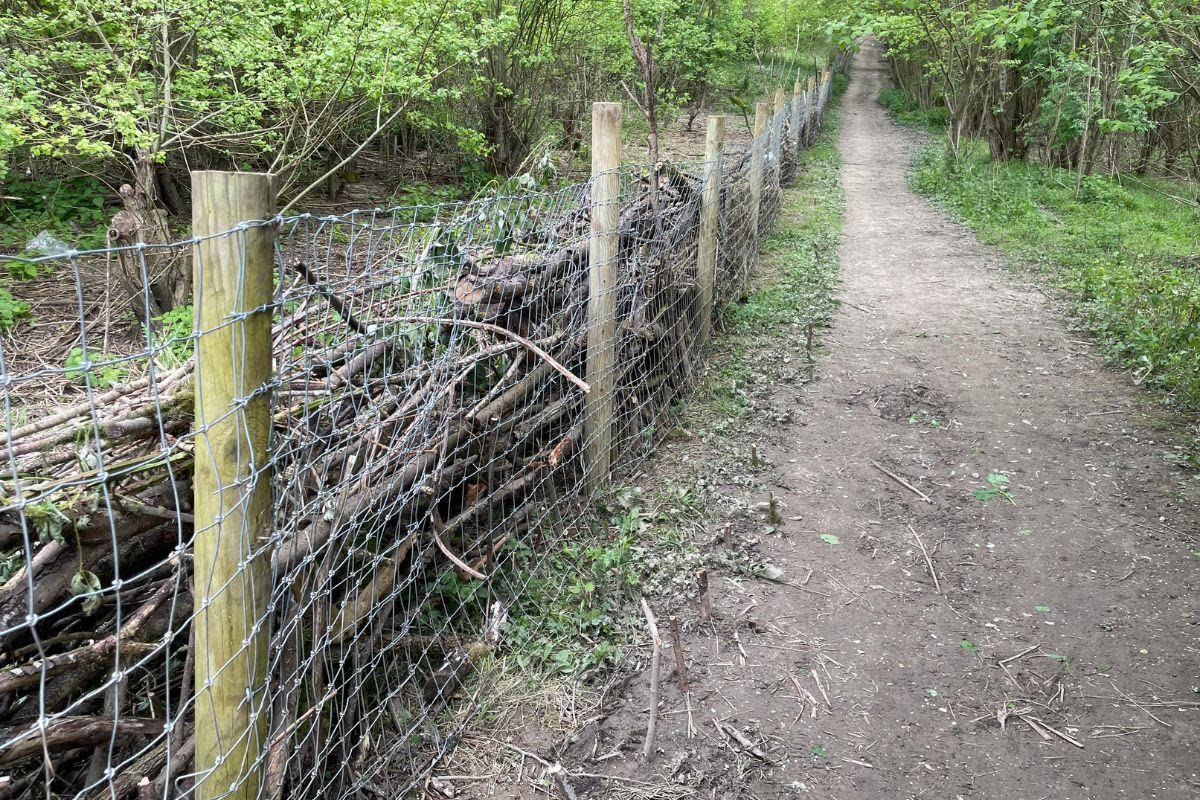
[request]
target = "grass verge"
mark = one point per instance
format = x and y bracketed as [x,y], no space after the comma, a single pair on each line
[1125,249]
[792,289]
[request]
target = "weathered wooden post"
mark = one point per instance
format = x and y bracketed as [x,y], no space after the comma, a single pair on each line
[777,138]
[706,260]
[797,114]
[602,293]
[810,126]
[762,113]
[758,147]
[232,490]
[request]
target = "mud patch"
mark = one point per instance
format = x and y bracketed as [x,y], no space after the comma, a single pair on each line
[907,403]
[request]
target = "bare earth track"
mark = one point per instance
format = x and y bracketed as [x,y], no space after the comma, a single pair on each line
[1069,613]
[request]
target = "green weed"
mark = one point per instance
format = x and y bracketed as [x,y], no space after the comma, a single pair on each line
[172,335]
[424,199]
[12,310]
[997,486]
[98,375]
[569,603]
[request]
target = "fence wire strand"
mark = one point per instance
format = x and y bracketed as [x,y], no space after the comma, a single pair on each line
[425,444]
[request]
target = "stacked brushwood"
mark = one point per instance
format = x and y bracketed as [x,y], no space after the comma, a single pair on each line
[417,429]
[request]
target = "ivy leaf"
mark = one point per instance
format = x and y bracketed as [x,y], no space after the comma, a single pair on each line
[86,583]
[830,539]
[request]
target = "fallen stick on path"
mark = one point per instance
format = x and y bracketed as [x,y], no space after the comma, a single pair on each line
[937,585]
[740,738]
[800,688]
[821,689]
[560,775]
[902,482]
[1036,728]
[1024,652]
[655,657]
[681,670]
[1055,731]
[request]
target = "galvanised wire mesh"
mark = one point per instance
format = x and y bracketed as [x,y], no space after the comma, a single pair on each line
[426,436]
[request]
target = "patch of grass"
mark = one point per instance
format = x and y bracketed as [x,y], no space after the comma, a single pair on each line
[1124,248]
[904,109]
[569,601]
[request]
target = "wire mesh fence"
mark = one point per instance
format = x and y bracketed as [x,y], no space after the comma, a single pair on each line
[260,555]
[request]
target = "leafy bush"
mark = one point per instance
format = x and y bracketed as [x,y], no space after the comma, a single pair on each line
[70,208]
[902,108]
[1125,248]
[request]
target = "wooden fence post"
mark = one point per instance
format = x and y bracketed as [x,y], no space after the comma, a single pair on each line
[797,108]
[762,113]
[810,126]
[232,491]
[777,138]
[706,257]
[602,293]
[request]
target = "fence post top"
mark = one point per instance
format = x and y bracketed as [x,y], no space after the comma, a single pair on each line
[606,110]
[230,176]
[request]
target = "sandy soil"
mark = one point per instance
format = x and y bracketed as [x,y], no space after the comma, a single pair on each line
[1053,651]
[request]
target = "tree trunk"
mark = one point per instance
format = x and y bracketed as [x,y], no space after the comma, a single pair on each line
[155,280]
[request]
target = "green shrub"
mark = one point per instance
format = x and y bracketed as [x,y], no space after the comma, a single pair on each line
[902,108]
[70,208]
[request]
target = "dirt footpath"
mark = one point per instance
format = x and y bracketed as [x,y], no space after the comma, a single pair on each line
[1052,651]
